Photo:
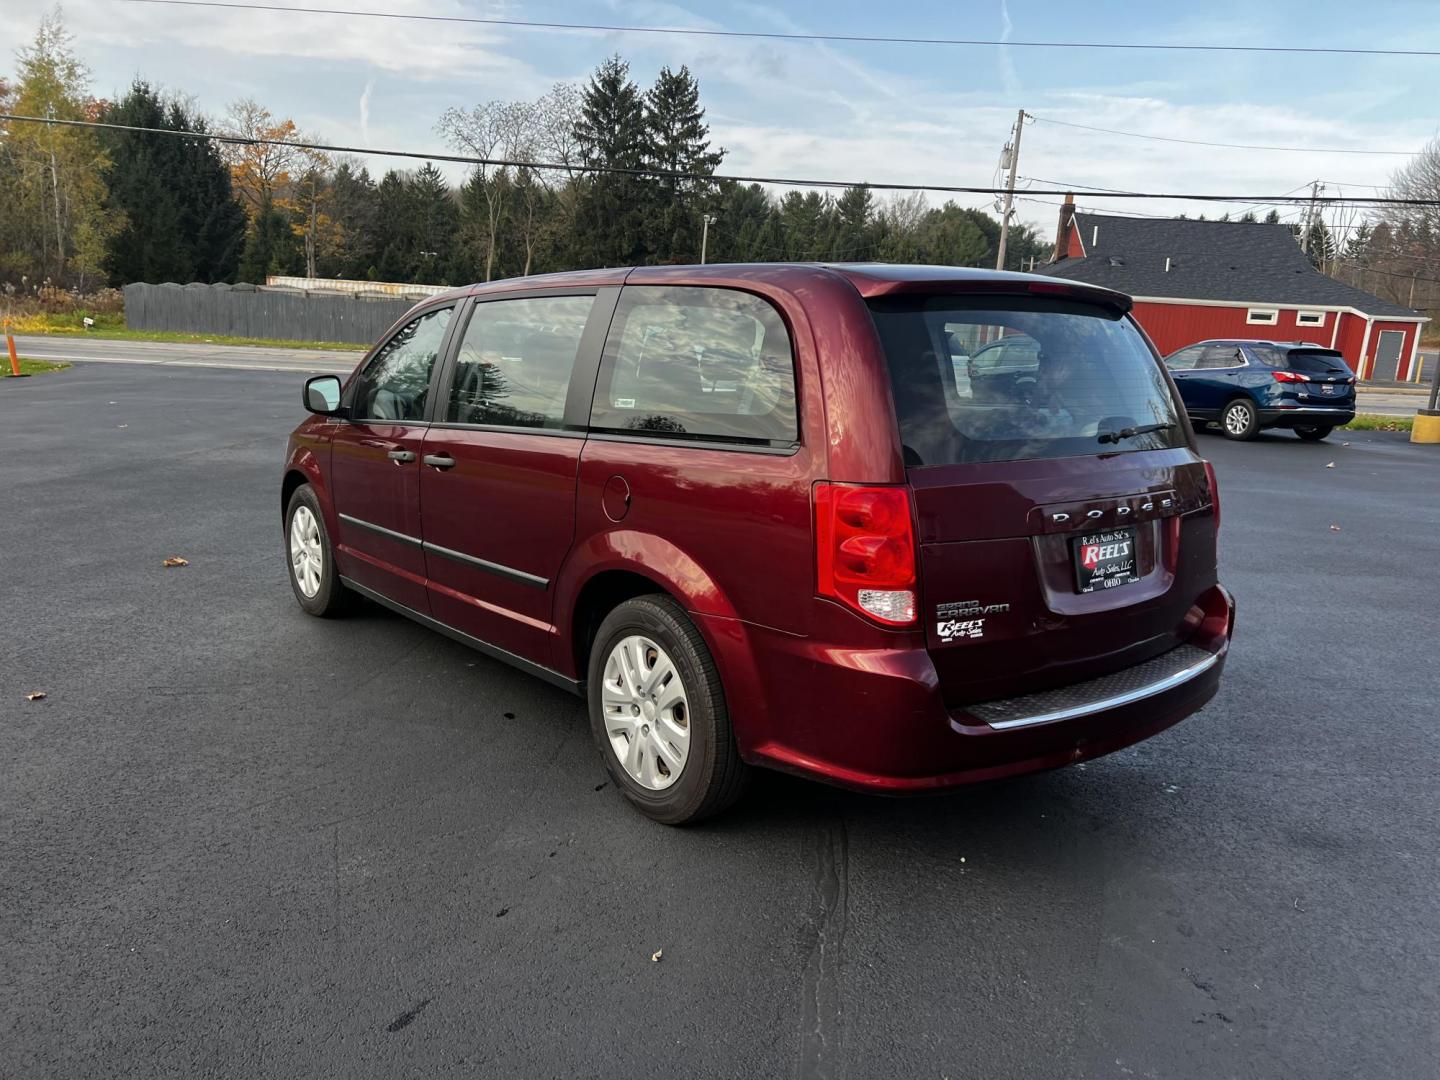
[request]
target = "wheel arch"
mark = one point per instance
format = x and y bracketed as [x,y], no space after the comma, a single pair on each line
[294,478]
[616,566]
[601,594]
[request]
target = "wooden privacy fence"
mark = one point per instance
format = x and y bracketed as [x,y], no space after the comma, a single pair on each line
[257,312]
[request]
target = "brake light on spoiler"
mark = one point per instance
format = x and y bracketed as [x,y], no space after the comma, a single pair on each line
[865,550]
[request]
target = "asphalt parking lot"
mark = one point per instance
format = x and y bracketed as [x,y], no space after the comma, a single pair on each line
[238,841]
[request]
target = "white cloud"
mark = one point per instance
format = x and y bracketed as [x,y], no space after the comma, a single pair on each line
[365,111]
[1008,78]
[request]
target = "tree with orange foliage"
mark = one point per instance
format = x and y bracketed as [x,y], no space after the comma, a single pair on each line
[276,179]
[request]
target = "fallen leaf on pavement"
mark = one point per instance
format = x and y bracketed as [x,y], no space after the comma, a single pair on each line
[1334,528]
[175,560]
[35,695]
[655,956]
[1331,465]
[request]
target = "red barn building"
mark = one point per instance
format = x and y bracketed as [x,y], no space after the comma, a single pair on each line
[1194,280]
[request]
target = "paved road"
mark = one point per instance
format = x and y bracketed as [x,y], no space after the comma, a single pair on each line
[1391,403]
[166,354]
[237,841]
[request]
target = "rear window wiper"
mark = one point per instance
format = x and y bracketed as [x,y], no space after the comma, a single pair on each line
[1131,432]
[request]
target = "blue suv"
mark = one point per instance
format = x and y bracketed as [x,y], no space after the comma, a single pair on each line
[1247,386]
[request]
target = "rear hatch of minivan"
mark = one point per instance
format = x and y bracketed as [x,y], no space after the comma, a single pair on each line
[1065,525]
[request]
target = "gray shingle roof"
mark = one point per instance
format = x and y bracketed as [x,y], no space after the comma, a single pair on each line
[1209,260]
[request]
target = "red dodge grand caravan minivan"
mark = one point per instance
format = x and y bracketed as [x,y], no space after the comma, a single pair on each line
[894,527]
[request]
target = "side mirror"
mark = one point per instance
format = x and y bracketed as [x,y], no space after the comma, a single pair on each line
[322,395]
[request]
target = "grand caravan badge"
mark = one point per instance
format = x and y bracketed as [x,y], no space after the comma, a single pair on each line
[964,619]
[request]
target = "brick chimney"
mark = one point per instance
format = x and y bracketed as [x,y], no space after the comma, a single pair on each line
[1062,231]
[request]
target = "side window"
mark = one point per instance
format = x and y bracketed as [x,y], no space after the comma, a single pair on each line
[515,359]
[1220,356]
[395,383]
[1011,354]
[1185,359]
[699,362]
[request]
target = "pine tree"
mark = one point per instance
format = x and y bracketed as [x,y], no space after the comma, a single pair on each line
[180,218]
[611,132]
[743,214]
[1357,248]
[271,247]
[394,230]
[1273,217]
[805,220]
[950,236]
[1319,243]
[852,233]
[436,218]
[350,251]
[678,142]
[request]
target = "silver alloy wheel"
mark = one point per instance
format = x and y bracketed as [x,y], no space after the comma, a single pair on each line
[1237,419]
[647,715]
[306,556]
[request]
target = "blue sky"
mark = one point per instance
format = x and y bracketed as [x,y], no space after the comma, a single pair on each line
[905,113]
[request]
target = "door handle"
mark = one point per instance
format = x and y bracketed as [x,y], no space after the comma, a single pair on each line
[400,457]
[439,461]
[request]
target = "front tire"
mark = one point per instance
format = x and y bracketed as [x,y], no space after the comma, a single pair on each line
[658,714]
[1239,420]
[311,558]
[1313,433]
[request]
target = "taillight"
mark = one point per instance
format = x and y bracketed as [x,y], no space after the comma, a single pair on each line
[865,550]
[1288,376]
[1214,493]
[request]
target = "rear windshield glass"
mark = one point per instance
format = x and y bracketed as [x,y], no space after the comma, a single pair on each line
[1317,363]
[1001,380]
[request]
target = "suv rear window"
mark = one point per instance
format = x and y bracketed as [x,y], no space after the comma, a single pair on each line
[1001,380]
[1317,363]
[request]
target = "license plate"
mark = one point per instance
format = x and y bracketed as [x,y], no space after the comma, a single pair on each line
[1105,560]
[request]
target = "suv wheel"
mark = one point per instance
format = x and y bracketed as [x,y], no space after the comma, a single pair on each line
[658,715]
[310,557]
[1240,420]
[1313,433]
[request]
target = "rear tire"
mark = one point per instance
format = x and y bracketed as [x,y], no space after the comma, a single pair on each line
[1313,433]
[311,558]
[658,714]
[1239,420]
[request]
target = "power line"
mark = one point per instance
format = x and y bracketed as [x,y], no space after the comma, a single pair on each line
[1122,191]
[773,35]
[1362,268]
[1153,138]
[788,181]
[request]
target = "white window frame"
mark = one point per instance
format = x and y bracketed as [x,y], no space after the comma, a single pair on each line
[1309,318]
[1262,316]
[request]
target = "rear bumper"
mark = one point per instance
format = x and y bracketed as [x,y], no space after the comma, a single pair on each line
[1307,415]
[875,721]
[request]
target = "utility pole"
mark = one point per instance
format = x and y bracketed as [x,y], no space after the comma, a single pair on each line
[1010,157]
[1309,218]
[705,237]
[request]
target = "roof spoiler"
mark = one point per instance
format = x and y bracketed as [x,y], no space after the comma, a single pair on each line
[1005,285]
